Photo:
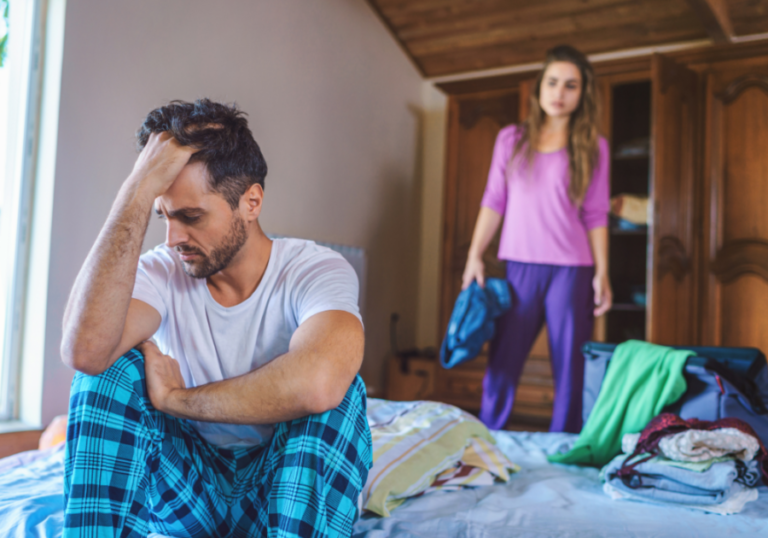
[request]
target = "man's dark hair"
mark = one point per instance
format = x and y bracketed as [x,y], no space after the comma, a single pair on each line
[221,135]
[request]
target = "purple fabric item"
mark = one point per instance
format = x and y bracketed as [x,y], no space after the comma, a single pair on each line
[541,225]
[563,297]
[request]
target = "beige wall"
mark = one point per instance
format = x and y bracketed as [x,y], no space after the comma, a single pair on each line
[433,144]
[333,102]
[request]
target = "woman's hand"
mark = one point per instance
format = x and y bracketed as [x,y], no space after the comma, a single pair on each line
[474,270]
[488,222]
[603,294]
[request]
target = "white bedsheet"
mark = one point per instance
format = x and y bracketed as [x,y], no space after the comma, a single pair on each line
[553,500]
[541,500]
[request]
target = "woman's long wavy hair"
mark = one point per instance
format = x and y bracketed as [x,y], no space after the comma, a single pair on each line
[583,132]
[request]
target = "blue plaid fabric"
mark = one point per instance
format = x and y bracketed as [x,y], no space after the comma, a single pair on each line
[131,470]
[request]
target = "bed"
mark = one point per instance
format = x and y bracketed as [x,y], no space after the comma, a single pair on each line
[541,499]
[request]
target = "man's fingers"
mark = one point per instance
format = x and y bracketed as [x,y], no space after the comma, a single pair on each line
[148,346]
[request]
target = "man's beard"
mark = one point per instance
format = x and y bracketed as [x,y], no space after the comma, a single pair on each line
[220,256]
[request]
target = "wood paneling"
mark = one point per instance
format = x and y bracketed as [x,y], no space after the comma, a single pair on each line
[709,240]
[736,225]
[748,16]
[673,287]
[714,15]
[451,36]
[474,123]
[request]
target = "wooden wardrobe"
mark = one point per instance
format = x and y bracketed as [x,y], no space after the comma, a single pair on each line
[699,273]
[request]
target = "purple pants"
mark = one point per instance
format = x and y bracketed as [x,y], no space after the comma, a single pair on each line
[563,296]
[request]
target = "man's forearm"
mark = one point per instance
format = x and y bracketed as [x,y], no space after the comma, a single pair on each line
[278,391]
[98,304]
[324,356]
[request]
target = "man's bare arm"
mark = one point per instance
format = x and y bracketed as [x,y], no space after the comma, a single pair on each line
[325,353]
[97,313]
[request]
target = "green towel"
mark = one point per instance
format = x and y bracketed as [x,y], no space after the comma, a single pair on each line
[641,380]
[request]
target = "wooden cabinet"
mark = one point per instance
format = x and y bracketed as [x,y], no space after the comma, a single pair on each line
[672,298]
[475,121]
[735,230]
[703,260]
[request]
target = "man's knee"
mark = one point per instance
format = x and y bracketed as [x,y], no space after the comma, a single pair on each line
[125,377]
[342,432]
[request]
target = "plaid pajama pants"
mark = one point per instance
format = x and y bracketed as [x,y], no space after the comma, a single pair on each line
[131,470]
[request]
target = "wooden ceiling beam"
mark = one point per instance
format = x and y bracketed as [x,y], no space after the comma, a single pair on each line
[393,32]
[522,52]
[527,16]
[561,28]
[713,14]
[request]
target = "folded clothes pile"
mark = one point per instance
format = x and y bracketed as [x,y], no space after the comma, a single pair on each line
[710,466]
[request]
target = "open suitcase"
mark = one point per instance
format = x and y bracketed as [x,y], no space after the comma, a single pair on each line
[722,382]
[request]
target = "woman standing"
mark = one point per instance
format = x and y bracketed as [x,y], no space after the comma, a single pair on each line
[549,183]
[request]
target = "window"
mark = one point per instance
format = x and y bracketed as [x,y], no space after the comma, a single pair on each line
[31,40]
[7,368]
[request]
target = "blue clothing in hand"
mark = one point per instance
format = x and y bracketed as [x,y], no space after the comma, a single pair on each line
[473,320]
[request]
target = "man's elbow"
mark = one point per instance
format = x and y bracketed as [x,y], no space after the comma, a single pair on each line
[326,394]
[81,359]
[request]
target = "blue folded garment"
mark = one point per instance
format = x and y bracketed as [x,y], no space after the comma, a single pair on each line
[473,320]
[660,482]
[749,473]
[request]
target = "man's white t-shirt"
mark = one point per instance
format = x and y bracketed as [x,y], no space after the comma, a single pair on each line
[212,342]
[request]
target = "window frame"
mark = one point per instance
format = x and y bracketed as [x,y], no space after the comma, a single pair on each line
[34,60]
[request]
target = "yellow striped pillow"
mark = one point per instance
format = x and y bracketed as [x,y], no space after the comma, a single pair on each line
[414,442]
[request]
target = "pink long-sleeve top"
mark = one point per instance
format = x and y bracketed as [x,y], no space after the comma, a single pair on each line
[541,224]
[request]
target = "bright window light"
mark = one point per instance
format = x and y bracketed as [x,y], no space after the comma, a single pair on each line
[20,36]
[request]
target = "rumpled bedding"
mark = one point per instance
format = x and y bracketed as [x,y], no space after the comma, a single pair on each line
[32,494]
[546,500]
[541,500]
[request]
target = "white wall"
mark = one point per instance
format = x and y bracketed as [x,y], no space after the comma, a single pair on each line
[332,100]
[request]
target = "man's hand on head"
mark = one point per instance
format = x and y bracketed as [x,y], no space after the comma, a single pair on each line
[163,376]
[160,162]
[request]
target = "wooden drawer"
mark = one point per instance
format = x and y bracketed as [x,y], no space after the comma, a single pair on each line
[537,371]
[527,412]
[534,395]
[466,384]
[417,383]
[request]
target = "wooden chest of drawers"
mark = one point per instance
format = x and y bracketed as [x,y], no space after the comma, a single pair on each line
[425,379]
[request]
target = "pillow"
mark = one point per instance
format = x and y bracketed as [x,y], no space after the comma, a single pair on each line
[55,433]
[414,442]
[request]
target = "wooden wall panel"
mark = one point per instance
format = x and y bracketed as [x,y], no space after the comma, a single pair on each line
[452,36]
[745,185]
[747,297]
[736,226]
[672,288]
[474,122]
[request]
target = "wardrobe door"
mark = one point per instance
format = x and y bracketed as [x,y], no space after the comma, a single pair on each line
[671,318]
[735,312]
[474,122]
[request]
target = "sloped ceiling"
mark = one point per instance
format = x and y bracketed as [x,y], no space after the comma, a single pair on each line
[445,37]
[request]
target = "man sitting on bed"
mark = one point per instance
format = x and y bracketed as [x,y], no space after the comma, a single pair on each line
[248,417]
